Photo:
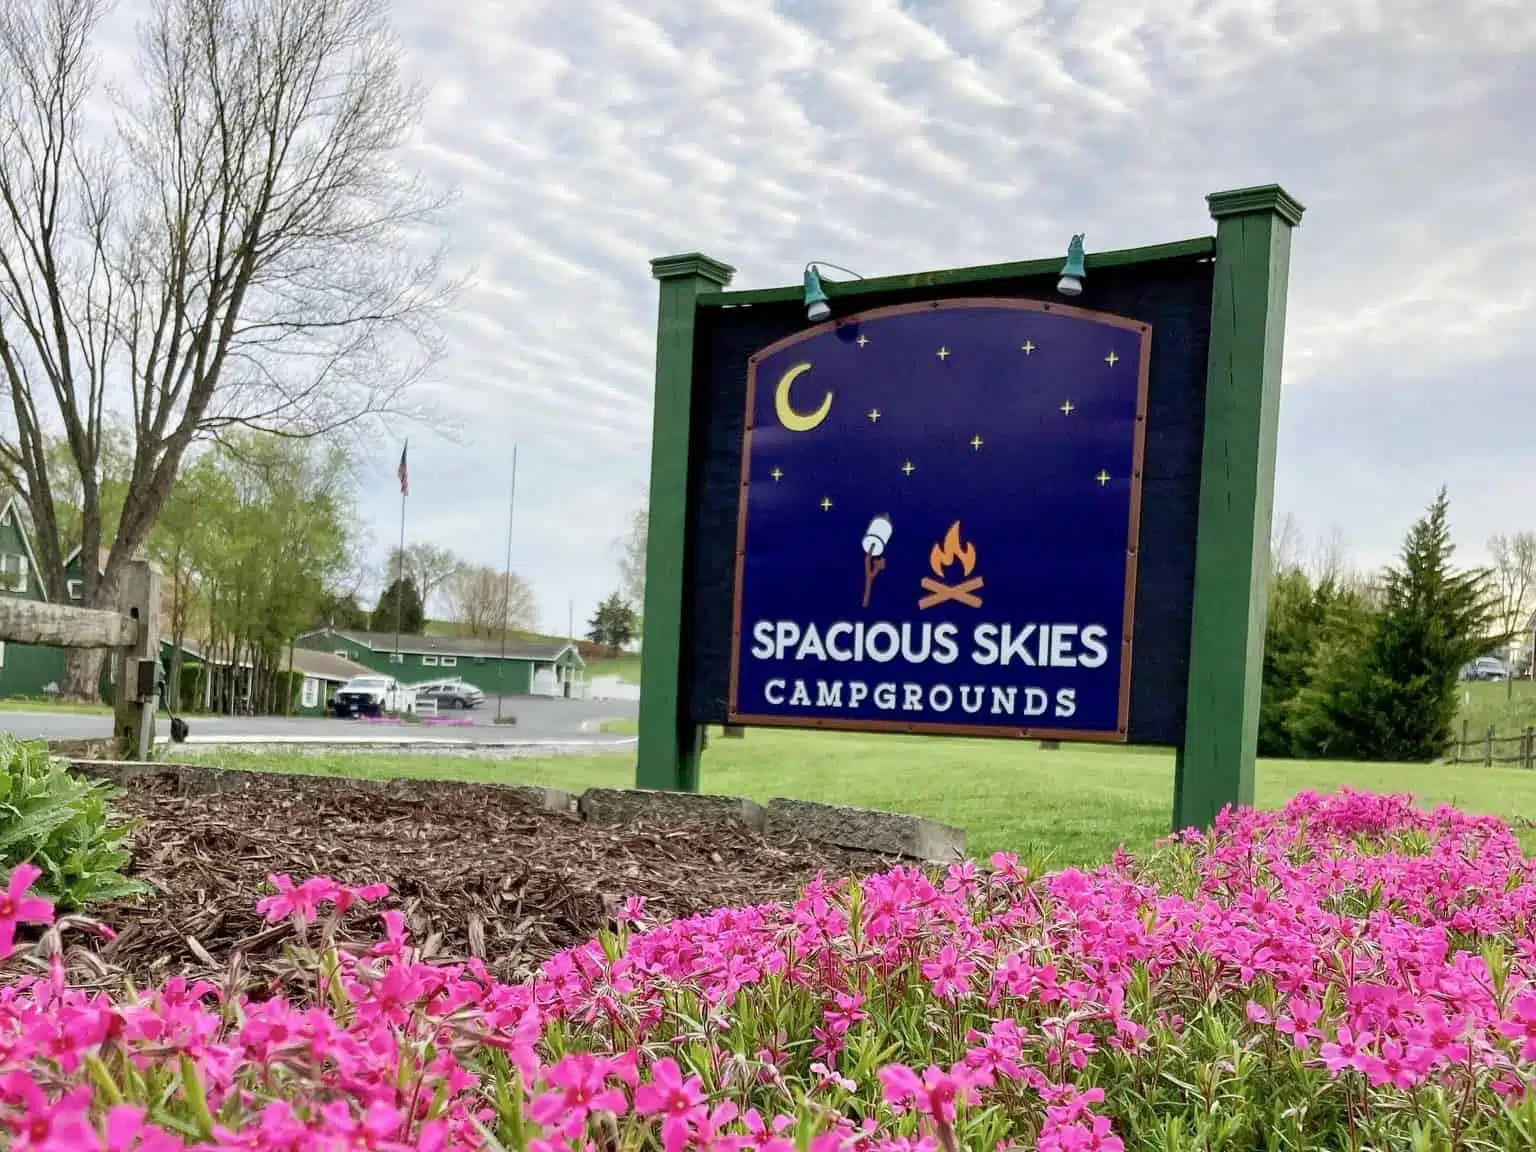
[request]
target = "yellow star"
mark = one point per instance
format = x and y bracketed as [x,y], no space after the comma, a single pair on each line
[1102,478]
[826,503]
[976,442]
[1028,347]
[862,340]
[907,468]
[874,415]
[1110,359]
[943,353]
[1068,408]
[777,474]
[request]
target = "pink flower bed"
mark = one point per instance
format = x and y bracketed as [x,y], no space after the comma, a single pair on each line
[1348,973]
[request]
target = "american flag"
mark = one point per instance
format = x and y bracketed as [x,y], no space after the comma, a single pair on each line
[403,472]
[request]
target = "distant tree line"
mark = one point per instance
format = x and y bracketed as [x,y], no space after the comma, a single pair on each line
[1366,667]
[428,581]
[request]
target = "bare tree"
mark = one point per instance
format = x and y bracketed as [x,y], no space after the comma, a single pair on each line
[480,600]
[1329,559]
[430,566]
[1285,544]
[242,250]
[631,550]
[1514,576]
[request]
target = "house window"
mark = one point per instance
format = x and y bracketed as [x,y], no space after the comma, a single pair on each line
[75,588]
[429,661]
[450,661]
[13,573]
[2,653]
[396,658]
[310,695]
[343,653]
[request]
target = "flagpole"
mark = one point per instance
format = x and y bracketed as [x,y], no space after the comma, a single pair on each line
[400,562]
[506,583]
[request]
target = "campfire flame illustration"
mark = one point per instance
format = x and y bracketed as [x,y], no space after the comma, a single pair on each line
[949,551]
[945,554]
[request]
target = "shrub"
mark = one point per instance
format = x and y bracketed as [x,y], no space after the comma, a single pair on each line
[63,824]
[1349,973]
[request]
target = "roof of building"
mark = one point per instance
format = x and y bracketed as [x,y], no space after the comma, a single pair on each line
[517,648]
[327,665]
[9,514]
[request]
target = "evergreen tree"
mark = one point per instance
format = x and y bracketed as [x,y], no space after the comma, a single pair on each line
[1394,698]
[341,610]
[1290,635]
[412,613]
[614,624]
[1317,718]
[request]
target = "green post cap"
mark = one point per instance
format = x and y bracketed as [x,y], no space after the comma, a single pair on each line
[1261,198]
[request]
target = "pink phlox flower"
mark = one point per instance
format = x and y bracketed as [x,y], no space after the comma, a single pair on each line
[948,973]
[1393,1066]
[633,911]
[1522,1025]
[849,1011]
[17,908]
[380,1125]
[709,1133]
[1089,1134]
[936,1093]
[1347,1050]
[826,1077]
[1298,1020]
[126,1130]
[679,1102]
[580,1087]
[767,1136]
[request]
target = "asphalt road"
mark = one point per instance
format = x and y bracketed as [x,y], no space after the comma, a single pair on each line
[540,720]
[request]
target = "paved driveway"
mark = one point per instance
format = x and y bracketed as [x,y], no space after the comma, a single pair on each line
[540,720]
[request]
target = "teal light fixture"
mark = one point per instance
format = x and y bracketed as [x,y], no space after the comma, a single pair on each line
[1073,272]
[817,307]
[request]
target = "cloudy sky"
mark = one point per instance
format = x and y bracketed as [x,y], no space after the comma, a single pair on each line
[587,136]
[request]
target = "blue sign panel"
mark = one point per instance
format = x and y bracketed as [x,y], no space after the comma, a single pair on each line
[939,520]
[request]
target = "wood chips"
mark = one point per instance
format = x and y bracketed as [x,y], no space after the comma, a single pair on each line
[478,871]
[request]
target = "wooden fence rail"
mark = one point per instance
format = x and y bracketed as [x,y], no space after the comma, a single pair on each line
[1489,748]
[132,634]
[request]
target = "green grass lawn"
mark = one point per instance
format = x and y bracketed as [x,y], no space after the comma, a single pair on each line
[44,704]
[626,667]
[1074,805]
[1508,708]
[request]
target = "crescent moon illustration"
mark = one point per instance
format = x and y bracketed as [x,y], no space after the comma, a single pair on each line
[798,421]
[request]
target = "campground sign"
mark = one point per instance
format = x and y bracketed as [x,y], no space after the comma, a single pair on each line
[962,503]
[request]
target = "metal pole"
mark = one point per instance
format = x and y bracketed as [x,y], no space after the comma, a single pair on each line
[400,577]
[506,586]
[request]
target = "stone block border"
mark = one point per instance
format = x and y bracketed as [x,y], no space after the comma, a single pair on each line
[859,829]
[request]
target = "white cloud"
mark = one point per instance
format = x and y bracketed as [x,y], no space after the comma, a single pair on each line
[896,135]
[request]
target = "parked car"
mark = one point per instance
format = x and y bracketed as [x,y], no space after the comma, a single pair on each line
[373,696]
[450,693]
[1485,668]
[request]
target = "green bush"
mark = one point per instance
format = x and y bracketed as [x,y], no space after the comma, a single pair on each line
[63,824]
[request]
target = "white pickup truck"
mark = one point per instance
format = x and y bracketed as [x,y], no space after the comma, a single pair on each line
[373,696]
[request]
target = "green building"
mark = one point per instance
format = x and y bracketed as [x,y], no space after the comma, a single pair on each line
[316,677]
[25,669]
[541,666]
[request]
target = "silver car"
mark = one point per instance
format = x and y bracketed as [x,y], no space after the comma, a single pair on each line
[450,693]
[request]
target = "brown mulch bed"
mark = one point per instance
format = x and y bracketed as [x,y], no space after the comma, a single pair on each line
[478,872]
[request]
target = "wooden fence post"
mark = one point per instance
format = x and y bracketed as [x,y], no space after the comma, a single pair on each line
[133,710]
[1488,748]
[1461,748]
[1527,760]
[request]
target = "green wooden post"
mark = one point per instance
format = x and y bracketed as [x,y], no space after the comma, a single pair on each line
[669,740]
[1242,409]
